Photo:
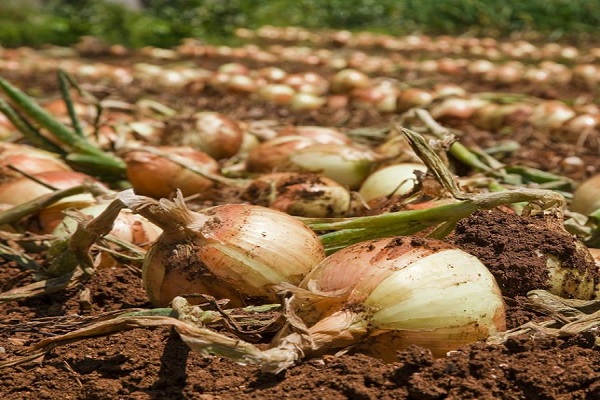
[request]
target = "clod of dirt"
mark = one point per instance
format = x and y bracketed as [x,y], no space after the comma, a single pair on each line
[516,249]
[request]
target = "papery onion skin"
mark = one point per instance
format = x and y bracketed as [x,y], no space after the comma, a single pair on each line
[234,251]
[19,190]
[269,155]
[411,291]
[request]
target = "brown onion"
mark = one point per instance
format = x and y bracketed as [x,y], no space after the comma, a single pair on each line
[300,194]
[235,251]
[153,175]
[211,132]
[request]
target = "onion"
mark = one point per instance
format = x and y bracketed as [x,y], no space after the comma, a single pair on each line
[22,189]
[349,166]
[397,179]
[381,296]
[579,125]
[19,190]
[272,74]
[551,114]
[153,175]
[455,107]
[234,251]
[277,93]
[128,227]
[268,156]
[349,79]
[306,101]
[381,97]
[320,134]
[211,132]
[586,198]
[241,84]
[413,97]
[300,194]
[30,160]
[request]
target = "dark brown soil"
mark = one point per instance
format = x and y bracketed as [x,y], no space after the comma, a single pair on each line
[156,364]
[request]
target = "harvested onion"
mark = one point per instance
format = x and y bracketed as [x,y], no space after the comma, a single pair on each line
[153,175]
[397,179]
[349,166]
[300,194]
[378,297]
[233,251]
[211,132]
[586,198]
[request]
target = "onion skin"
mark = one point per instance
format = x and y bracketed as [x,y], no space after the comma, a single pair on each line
[233,251]
[128,227]
[409,291]
[19,190]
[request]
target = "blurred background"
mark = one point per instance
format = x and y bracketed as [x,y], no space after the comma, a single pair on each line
[164,23]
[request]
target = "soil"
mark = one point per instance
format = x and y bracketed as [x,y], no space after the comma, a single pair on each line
[153,363]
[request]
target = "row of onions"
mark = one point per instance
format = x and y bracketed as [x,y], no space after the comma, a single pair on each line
[489,47]
[485,69]
[375,294]
[351,87]
[544,74]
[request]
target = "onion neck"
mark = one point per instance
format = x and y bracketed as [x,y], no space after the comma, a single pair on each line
[173,217]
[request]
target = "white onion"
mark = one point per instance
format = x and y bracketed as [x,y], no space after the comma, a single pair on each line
[397,179]
[346,165]
[381,296]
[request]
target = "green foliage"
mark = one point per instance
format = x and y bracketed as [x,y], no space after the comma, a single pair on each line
[165,22]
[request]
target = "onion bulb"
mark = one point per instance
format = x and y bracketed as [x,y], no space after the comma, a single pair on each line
[349,79]
[128,227]
[211,132]
[300,194]
[381,296]
[153,175]
[18,190]
[234,251]
[349,166]
[30,160]
[551,114]
[319,134]
[268,156]
[586,198]
[397,179]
